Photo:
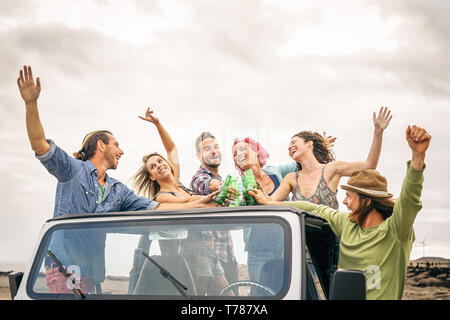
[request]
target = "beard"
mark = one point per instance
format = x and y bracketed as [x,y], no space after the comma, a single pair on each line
[112,161]
[213,163]
[113,165]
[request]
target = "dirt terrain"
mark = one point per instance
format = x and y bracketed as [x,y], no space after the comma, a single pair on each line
[4,287]
[427,284]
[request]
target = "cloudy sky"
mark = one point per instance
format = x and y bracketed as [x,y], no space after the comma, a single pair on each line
[265,69]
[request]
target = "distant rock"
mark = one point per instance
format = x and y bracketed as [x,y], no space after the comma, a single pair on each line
[430,282]
[423,275]
[442,276]
[420,276]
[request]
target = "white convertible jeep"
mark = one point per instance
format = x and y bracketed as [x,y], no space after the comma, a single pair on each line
[171,255]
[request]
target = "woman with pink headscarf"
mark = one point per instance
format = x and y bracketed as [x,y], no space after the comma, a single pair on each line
[249,154]
[262,243]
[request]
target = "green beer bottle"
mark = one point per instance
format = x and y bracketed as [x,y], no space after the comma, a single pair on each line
[234,184]
[249,183]
[223,191]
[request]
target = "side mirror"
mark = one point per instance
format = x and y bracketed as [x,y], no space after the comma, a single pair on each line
[348,285]
[14,282]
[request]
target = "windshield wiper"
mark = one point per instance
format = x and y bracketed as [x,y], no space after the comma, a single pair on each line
[166,274]
[78,293]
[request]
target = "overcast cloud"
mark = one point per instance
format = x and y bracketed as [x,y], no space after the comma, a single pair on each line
[267,69]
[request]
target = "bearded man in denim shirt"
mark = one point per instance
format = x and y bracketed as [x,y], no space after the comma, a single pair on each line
[83,186]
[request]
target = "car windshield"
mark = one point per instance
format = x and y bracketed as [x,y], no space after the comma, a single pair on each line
[214,257]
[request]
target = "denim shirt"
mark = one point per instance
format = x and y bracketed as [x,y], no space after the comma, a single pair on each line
[77,191]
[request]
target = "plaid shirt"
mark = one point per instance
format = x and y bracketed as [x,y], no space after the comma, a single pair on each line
[201,180]
[222,239]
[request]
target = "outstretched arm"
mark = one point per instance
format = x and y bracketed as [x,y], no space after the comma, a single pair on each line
[30,93]
[408,204]
[284,188]
[380,122]
[201,202]
[203,184]
[263,199]
[335,218]
[418,140]
[169,145]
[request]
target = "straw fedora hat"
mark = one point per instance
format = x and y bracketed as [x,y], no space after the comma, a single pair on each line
[368,182]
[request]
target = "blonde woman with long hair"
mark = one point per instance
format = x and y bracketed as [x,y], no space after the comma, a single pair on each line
[158,177]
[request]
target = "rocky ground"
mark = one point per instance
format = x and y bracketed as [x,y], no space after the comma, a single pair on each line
[427,284]
[4,287]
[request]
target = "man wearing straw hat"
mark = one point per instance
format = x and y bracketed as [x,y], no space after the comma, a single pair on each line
[83,187]
[376,237]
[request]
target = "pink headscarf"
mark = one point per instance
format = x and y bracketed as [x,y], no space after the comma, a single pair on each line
[263,155]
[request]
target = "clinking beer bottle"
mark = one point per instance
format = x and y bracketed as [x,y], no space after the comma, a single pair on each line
[249,183]
[223,191]
[234,184]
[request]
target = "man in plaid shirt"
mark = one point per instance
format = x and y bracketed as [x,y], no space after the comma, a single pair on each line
[205,181]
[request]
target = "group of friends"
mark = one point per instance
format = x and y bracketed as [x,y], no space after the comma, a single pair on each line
[377,234]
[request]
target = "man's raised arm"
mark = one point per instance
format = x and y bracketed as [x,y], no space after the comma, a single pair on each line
[30,93]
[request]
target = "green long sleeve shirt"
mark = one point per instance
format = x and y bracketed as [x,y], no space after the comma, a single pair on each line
[381,252]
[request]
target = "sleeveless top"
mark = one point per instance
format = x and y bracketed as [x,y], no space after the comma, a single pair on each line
[275,182]
[174,193]
[323,194]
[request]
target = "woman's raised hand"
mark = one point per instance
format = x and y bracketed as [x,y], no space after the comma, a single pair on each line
[150,117]
[330,139]
[382,120]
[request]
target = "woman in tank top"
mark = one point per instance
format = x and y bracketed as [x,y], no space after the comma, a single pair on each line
[158,178]
[319,174]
